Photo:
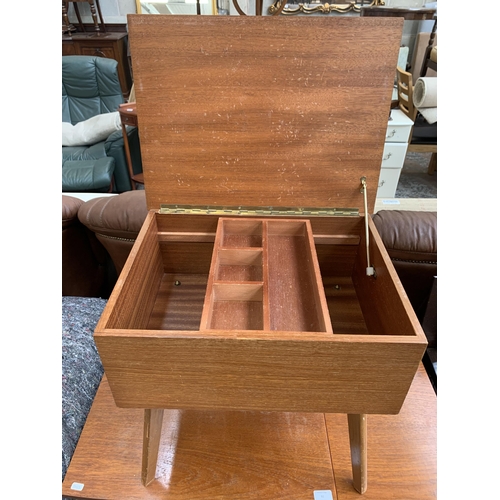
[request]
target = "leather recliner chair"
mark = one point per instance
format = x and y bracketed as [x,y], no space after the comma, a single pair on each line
[90,87]
[87,269]
[410,239]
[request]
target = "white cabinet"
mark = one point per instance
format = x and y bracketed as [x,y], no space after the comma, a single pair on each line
[396,145]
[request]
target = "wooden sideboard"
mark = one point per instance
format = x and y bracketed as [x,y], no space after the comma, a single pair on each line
[112,45]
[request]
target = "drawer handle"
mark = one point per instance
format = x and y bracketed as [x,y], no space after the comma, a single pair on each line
[386,157]
[391,134]
[99,52]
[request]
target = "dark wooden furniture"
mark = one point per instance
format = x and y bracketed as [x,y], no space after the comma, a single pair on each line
[208,455]
[95,10]
[112,45]
[406,14]
[128,116]
[429,61]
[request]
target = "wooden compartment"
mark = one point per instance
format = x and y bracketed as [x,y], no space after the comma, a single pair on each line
[161,349]
[289,112]
[274,287]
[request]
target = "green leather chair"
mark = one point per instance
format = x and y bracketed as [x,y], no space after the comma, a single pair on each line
[90,87]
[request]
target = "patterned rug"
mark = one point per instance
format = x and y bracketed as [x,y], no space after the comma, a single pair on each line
[414,181]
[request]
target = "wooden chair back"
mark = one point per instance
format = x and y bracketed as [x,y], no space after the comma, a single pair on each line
[405,93]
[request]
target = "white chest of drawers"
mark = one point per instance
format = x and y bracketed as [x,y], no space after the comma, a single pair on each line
[396,145]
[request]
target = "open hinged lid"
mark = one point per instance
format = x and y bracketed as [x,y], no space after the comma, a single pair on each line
[262,111]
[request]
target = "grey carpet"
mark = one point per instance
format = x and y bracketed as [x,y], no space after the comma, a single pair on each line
[81,368]
[414,181]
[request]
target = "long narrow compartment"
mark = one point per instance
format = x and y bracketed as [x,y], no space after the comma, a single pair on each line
[294,294]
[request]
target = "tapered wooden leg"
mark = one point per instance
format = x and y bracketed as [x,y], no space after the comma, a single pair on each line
[150,444]
[358,442]
[431,169]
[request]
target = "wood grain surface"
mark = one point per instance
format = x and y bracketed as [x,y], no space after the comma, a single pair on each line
[402,449]
[256,455]
[262,111]
[202,456]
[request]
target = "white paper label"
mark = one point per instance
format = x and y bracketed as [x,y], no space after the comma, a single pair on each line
[323,495]
[77,486]
[390,202]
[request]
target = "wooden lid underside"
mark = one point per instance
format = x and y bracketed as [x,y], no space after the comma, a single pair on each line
[262,111]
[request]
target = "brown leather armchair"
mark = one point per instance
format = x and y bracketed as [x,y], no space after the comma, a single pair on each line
[87,270]
[410,239]
[116,222]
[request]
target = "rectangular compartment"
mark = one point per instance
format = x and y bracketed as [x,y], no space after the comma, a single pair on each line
[394,154]
[399,127]
[388,182]
[296,296]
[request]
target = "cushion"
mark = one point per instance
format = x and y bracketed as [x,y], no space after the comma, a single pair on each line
[70,207]
[408,235]
[119,216]
[87,175]
[88,132]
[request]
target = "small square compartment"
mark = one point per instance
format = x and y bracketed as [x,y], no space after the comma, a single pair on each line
[239,265]
[241,234]
[236,307]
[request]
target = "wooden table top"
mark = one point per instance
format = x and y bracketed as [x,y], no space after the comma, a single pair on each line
[256,455]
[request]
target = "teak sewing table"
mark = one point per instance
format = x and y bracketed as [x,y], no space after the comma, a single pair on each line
[258,288]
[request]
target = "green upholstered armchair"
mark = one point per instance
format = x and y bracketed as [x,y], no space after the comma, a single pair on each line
[91,87]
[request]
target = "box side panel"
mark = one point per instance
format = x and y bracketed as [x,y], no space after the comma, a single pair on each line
[385,305]
[186,242]
[186,257]
[199,225]
[132,300]
[336,260]
[147,371]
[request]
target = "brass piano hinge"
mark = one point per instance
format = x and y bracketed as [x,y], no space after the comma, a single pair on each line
[258,211]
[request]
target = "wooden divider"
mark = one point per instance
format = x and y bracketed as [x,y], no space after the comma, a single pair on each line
[265,276]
